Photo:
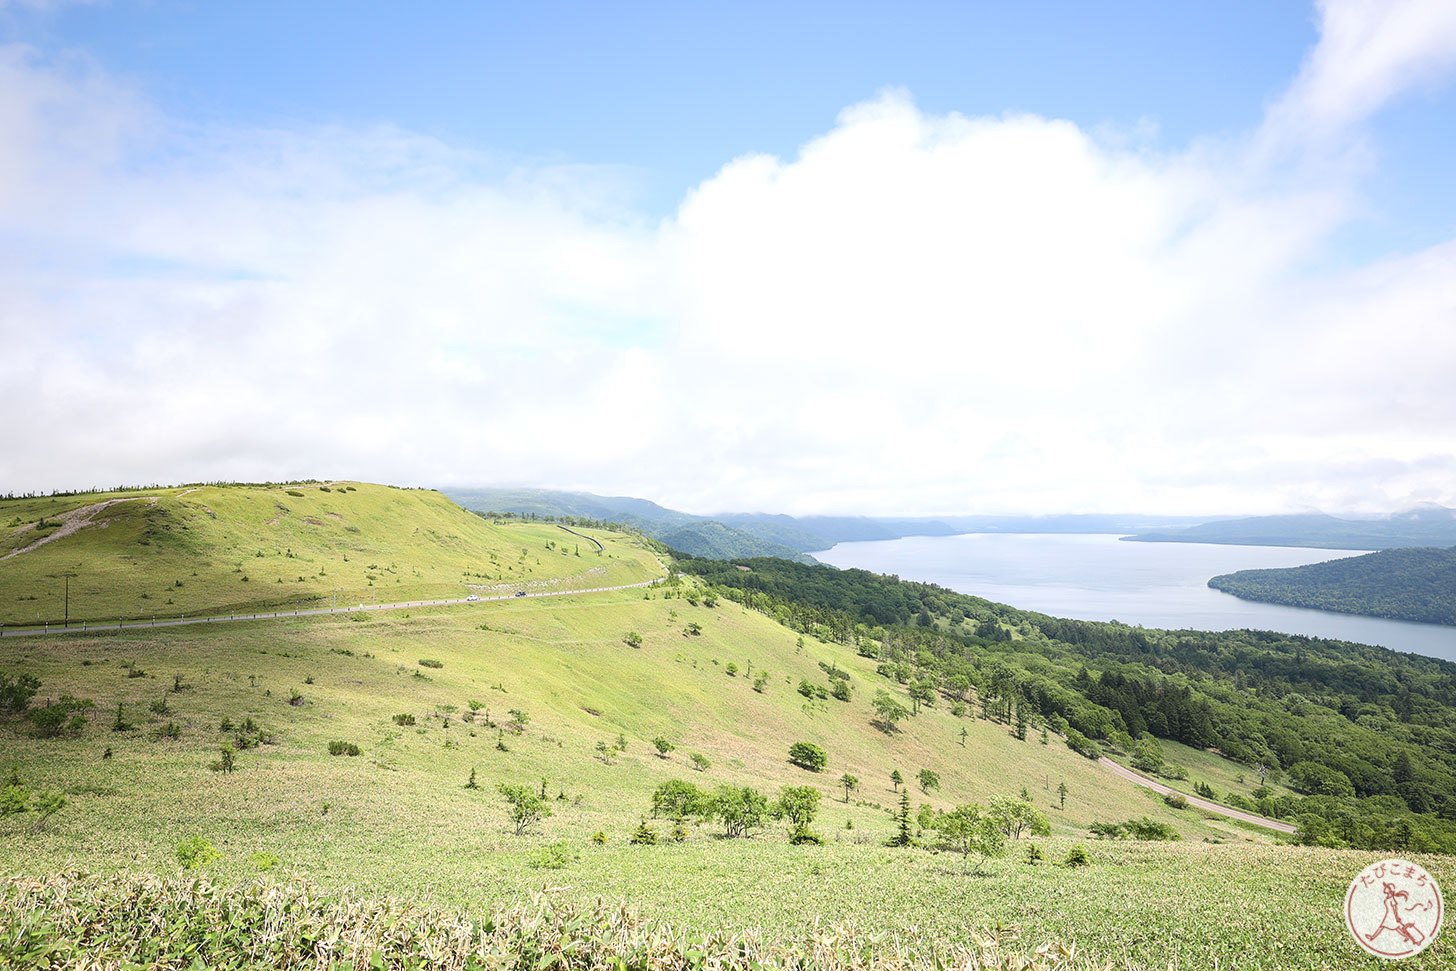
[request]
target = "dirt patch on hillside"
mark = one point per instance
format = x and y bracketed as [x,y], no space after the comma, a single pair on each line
[72,521]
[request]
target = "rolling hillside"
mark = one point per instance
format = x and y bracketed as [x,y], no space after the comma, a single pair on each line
[548,695]
[218,549]
[1405,584]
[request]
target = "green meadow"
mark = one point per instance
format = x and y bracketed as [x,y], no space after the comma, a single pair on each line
[397,820]
[224,549]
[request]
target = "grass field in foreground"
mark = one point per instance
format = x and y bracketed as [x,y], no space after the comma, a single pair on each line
[219,549]
[398,820]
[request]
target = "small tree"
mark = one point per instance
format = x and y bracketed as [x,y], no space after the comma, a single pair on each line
[663,746]
[807,755]
[678,800]
[47,804]
[850,784]
[928,780]
[519,721]
[700,761]
[1014,817]
[896,780]
[799,805]
[472,783]
[964,733]
[968,829]
[524,808]
[1062,794]
[902,835]
[889,710]
[741,809]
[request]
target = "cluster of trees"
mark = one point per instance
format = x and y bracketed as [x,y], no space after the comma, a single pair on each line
[1382,722]
[739,809]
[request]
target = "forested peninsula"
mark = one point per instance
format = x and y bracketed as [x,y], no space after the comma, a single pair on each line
[1403,584]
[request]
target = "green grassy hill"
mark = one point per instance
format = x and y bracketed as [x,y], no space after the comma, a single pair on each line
[398,819]
[220,549]
[553,695]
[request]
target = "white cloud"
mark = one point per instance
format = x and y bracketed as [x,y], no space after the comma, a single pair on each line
[918,313]
[1370,51]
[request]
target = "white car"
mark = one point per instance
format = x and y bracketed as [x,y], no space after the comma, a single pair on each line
[472,598]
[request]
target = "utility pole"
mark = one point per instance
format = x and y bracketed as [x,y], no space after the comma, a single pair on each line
[66,576]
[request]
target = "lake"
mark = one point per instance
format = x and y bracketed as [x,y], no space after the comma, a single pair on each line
[1099,577]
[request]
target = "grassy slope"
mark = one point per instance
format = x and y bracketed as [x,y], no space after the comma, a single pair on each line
[240,547]
[398,819]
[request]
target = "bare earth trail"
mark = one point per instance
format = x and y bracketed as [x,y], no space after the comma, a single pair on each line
[313,612]
[1195,801]
[74,520]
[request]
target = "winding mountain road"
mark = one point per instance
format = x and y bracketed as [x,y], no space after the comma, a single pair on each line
[90,627]
[1195,801]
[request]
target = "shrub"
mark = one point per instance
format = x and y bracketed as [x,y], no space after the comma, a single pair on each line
[344,748]
[225,762]
[663,746]
[1175,801]
[554,856]
[1077,856]
[404,719]
[643,835]
[171,731]
[632,639]
[195,852]
[599,838]
[429,662]
[523,807]
[700,761]
[1135,829]
[263,861]
[64,716]
[807,755]
[16,692]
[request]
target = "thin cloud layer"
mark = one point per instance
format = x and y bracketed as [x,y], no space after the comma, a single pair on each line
[917,313]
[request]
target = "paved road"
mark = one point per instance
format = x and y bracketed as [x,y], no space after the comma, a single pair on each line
[311,612]
[1213,807]
[590,539]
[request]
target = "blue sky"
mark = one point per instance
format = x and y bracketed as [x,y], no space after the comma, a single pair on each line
[674,90]
[1186,249]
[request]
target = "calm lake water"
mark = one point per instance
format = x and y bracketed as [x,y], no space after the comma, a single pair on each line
[1099,577]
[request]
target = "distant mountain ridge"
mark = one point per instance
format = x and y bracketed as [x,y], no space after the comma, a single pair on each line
[729,536]
[1415,583]
[744,535]
[1423,526]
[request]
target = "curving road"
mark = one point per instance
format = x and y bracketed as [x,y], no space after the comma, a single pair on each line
[1195,801]
[310,612]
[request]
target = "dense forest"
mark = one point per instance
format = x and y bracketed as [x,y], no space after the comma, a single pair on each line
[1407,584]
[1368,735]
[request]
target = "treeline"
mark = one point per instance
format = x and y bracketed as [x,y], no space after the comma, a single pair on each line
[1372,723]
[155,486]
[1405,584]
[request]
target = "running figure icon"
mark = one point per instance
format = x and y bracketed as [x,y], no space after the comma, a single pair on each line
[1393,909]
